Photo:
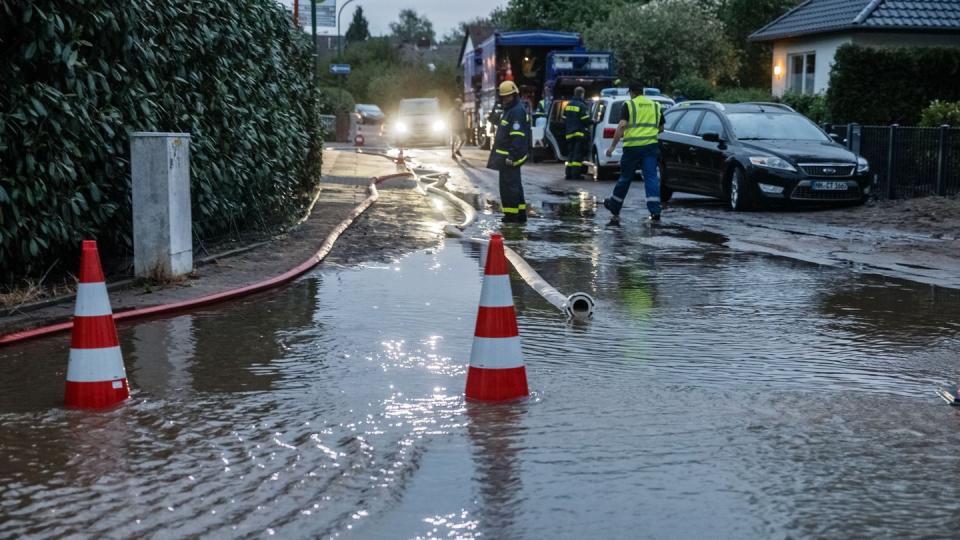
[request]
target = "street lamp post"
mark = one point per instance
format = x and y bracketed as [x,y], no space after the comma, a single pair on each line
[339,38]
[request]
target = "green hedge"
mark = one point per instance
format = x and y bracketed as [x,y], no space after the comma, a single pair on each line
[78,75]
[885,86]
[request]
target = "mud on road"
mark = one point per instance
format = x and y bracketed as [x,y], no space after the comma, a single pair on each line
[917,239]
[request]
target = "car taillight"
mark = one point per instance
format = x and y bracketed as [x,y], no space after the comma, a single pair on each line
[609,132]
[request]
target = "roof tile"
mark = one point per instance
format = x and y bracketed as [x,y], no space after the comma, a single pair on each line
[821,16]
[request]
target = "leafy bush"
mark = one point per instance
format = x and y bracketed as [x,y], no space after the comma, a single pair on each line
[335,100]
[739,95]
[941,113]
[693,87]
[78,75]
[891,85]
[813,106]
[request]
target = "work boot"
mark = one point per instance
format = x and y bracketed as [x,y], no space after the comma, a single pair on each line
[654,217]
[614,221]
[609,206]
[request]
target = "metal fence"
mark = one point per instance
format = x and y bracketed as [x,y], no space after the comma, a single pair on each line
[907,162]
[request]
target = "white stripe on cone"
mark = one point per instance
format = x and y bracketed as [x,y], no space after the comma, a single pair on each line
[496,353]
[496,292]
[95,365]
[92,300]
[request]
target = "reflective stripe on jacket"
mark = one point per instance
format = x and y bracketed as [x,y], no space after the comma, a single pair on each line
[513,138]
[643,126]
[576,118]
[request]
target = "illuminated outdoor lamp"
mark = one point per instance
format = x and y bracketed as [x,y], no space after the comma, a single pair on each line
[778,71]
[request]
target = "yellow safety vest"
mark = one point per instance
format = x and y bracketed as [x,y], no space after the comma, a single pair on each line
[643,127]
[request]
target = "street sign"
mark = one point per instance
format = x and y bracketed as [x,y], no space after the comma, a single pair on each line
[340,69]
[326,13]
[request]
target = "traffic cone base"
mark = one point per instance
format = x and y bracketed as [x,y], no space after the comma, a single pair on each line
[496,384]
[96,377]
[496,370]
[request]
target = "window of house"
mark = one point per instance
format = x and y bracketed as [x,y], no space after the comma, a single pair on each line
[803,69]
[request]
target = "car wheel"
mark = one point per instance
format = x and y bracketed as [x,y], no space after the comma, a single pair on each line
[665,192]
[740,199]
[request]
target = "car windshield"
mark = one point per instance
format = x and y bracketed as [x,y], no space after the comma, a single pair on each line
[418,108]
[368,108]
[774,127]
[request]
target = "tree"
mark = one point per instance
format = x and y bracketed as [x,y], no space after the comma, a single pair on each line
[567,15]
[744,17]
[412,28]
[359,27]
[455,36]
[665,40]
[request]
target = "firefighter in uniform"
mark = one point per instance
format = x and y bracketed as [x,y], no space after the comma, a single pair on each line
[509,152]
[640,125]
[576,120]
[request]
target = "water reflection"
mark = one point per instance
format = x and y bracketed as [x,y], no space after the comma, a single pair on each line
[496,433]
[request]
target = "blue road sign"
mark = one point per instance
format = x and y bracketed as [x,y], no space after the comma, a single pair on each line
[340,69]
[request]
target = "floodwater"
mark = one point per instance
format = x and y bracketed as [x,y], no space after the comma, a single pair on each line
[715,394]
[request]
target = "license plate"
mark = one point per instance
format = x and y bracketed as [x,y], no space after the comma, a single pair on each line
[830,186]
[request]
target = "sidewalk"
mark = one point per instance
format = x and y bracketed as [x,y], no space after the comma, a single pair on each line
[399,222]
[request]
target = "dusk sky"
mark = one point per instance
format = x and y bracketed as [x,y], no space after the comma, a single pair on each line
[445,14]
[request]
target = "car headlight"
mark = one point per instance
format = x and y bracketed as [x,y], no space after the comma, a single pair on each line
[862,165]
[439,126]
[772,162]
[399,127]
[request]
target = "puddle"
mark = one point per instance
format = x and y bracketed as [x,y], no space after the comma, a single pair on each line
[753,396]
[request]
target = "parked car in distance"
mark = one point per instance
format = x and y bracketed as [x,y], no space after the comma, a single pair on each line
[752,154]
[419,121]
[369,113]
[605,112]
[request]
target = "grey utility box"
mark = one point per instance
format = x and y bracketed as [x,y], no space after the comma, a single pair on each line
[162,226]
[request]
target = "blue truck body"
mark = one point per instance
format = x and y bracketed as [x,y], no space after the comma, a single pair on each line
[544,64]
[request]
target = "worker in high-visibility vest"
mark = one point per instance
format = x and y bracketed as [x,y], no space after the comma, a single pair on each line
[641,123]
[509,152]
[576,120]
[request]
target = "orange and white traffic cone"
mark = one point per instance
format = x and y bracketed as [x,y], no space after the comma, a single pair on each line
[496,369]
[96,378]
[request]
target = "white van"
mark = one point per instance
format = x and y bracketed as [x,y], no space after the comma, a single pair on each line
[605,112]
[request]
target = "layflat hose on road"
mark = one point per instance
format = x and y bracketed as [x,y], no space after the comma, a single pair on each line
[579,306]
[232,294]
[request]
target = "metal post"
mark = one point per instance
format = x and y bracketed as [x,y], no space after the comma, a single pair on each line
[856,134]
[942,160]
[891,190]
[339,38]
[849,138]
[316,53]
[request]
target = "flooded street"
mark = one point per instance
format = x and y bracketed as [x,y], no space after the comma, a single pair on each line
[716,393]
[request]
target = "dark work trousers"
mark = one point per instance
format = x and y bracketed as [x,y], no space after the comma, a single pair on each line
[646,158]
[576,150]
[511,195]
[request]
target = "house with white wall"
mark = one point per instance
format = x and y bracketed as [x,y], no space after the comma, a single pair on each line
[806,38]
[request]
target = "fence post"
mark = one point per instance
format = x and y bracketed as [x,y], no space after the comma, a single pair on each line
[891,189]
[942,161]
[849,138]
[854,134]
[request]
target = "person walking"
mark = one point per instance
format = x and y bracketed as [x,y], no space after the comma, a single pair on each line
[458,129]
[576,120]
[509,152]
[641,123]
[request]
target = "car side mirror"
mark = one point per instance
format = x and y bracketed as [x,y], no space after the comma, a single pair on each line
[712,137]
[836,138]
